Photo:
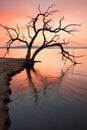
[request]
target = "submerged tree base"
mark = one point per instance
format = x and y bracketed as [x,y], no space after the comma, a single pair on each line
[30,63]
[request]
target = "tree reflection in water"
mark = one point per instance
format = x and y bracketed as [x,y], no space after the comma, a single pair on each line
[37,81]
[40,83]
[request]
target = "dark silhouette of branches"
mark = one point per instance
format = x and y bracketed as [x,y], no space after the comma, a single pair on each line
[44,28]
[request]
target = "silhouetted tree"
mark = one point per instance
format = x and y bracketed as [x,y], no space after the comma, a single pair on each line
[43,28]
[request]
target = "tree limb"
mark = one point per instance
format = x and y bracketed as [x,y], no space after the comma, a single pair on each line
[44,27]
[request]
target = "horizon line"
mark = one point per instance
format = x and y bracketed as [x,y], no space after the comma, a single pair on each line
[33,47]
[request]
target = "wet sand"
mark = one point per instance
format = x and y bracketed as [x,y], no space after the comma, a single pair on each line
[7,66]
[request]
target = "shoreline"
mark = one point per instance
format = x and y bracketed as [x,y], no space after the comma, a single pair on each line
[8,67]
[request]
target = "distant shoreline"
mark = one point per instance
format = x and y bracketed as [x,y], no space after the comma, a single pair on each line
[35,47]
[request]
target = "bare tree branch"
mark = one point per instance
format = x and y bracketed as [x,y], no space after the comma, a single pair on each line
[44,28]
[28,30]
[12,38]
[39,9]
[50,7]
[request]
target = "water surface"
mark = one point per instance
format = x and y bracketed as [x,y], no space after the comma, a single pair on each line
[51,96]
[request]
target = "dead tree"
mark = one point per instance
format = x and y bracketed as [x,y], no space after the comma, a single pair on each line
[44,28]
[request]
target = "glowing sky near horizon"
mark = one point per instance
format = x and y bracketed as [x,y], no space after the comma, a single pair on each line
[16,11]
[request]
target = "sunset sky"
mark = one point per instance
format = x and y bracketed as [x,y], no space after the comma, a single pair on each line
[16,11]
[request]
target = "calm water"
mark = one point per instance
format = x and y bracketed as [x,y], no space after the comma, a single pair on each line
[53,96]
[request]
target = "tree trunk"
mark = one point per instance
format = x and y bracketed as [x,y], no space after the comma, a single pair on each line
[29,62]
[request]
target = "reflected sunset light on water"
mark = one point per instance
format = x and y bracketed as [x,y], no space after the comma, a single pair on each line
[53,89]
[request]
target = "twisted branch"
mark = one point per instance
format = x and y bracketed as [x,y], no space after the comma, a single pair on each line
[44,28]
